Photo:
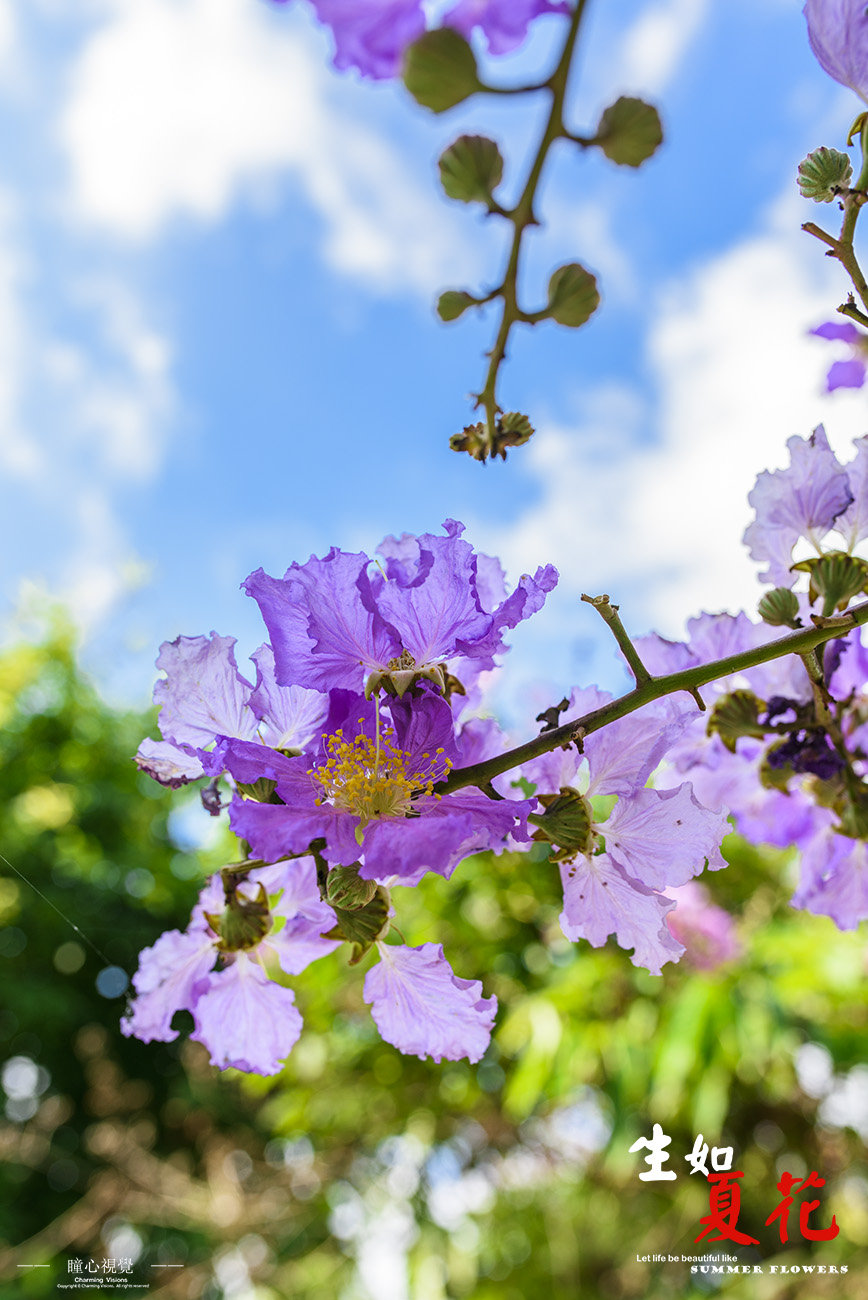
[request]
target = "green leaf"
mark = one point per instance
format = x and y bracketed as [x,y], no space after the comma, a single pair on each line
[471,169]
[573,295]
[453,303]
[629,131]
[440,70]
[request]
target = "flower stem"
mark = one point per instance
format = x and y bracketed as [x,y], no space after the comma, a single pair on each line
[522,217]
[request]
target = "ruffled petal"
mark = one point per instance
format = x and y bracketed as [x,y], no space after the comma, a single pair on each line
[663,837]
[167,981]
[245,1020]
[203,695]
[423,1009]
[600,899]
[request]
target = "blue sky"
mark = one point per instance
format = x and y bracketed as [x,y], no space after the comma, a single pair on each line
[218,260]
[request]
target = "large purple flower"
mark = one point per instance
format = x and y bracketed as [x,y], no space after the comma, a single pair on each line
[342,621]
[245,1019]
[621,858]
[838,32]
[367,792]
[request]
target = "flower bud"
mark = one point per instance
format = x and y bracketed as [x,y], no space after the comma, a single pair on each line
[734,716]
[566,823]
[573,295]
[344,888]
[823,174]
[243,923]
[440,70]
[837,577]
[471,169]
[629,131]
[780,608]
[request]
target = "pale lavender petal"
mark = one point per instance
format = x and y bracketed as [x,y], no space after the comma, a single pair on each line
[853,523]
[203,695]
[845,374]
[290,716]
[801,501]
[838,32]
[423,1009]
[171,765]
[504,23]
[245,1020]
[663,837]
[622,756]
[599,900]
[834,879]
[167,981]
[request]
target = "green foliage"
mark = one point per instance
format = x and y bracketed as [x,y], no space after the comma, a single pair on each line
[514,1174]
[453,303]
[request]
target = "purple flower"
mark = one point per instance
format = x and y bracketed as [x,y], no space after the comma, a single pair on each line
[423,1009]
[803,501]
[204,697]
[335,622]
[371,35]
[706,930]
[838,32]
[367,791]
[849,373]
[834,877]
[503,23]
[244,1019]
[632,851]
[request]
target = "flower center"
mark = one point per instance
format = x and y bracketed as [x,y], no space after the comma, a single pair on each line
[369,776]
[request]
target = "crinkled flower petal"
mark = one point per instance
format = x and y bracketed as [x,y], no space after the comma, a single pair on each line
[834,879]
[320,620]
[203,695]
[838,32]
[845,374]
[801,501]
[167,981]
[372,37]
[504,23]
[600,899]
[423,1009]
[622,756]
[171,765]
[246,1020]
[853,523]
[289,716]
[663,837]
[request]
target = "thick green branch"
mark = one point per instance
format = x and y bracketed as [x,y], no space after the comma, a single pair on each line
[655,688]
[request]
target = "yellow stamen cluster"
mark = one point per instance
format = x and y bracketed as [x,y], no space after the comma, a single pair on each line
[370,777]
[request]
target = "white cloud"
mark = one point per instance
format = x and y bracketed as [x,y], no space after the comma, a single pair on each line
[179,107]
[655,45]
[658,523]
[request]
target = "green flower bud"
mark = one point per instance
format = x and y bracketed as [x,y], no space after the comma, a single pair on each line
[567,823]
[573,295]
[837,577]
[471,169]
[440,70]
[780,608]
[243,923]
[345,888]
[734,716]
[629,131]
[362,926]
[823,173]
